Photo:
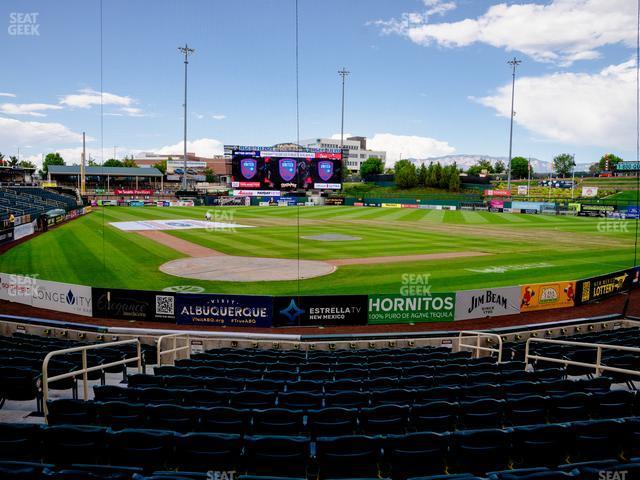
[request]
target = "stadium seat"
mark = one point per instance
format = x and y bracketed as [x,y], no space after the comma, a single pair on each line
[278,421]
[253,399]
[541,445]
[172,417]
[206,398]
[384,419]
[569,407]
[10,470]
[67,444]
[20,441]
[347,399]
[332,421]
[416,454]
[143,448]
[67,410]
[479,451]
[614,403]
[436,416]
[209,451]
[224,420]
[277,455]
[482,413]
[360,453]
[299,400]
[529,410]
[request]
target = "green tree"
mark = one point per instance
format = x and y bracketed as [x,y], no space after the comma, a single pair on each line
[454,179]
[406,176]
[13,161]
[447,171]
[371,166]
[422,176]
[563,163]
[437,174]
[399,164]
[474,170]
[594,169]
[485,164]
[26,164]
[519,167]
[499,167]
[431,181]
[162,166]
[129,162]
[50,159]
[112,162]
[1,159]
[613,161]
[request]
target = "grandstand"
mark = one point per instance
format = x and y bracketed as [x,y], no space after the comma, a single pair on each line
[32,201]
[395,412]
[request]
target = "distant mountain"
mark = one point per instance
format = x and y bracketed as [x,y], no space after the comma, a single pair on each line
[466,161]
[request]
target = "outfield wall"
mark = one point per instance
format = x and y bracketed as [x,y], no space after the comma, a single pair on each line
[415,303]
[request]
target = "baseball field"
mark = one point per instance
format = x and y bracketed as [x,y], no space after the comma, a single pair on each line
[364,250]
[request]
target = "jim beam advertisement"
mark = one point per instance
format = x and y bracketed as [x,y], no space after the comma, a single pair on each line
[489,302]
[603,286]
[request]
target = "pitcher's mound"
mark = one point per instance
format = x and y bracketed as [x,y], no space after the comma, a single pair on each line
[246,269]
[332,237]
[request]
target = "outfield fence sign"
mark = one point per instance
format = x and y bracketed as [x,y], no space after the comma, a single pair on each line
[397,308]
[224,310]
[329,310]
[603,286]
[138,305]
[488,302]
[544,296]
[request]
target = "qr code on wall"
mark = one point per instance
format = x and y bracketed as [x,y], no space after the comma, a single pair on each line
[164,304]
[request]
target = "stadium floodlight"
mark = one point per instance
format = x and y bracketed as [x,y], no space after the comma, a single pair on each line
[514,63]
[344,73]
[186,51]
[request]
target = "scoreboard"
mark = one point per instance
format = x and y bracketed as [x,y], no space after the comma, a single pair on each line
[265,168]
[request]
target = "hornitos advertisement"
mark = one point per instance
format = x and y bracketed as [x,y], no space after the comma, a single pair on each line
[543,296]
[397,308]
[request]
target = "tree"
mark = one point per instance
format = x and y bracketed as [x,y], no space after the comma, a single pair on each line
[594,169]
[519,167]
[454,180]
[499,167]
[563,163]
[162,166]
[431,181]
[485,164]
[13,161]
[401,163]
[406,176]
[50,159]
[91,163]
[437,174]
[210,175]
[112,162]
[474,170]
[371,166]
[613,160]
[422,176]
[129,162]
[26,164]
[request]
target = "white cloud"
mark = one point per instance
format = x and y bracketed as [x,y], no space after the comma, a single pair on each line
[5,94]
[134,112]
[409,146]
[203,147]
[33,109]
[574,108]
[336,136]
[16,133]
[561,31]
[88,97]
[218,117]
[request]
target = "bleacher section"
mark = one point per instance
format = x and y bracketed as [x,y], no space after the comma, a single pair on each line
[32,201]
[423,412]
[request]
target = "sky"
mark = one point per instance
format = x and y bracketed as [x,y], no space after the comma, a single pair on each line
[427,77]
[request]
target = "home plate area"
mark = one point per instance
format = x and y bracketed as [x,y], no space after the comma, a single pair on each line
[146,225]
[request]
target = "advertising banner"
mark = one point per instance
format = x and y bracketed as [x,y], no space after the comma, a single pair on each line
[543,296]
[24,230]
[134,305]
[632,212]
[497,203]
[17,288]
[334,201]
[603,286]
[329,310]
[497,193]
[120,191]
[596,210]
[257,193]
[6,235]
[589,191]
[490,302]
[396,308]
[224,310]
[523,189]
[391,205]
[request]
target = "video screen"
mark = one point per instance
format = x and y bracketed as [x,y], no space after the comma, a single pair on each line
[282,170]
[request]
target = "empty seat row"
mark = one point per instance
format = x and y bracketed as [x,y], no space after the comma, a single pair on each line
[434,415]
[355,456]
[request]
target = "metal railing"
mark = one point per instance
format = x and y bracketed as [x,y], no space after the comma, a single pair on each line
[477,348]
[597,366]
[174,337]
[85,369]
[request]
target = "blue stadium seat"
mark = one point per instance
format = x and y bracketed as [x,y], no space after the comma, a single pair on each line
[361,453]
[332,421]
[277,455]
[209,451]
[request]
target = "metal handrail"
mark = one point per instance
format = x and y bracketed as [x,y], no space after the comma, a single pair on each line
[598,367]
[175,337]
[85,370]
[477,348]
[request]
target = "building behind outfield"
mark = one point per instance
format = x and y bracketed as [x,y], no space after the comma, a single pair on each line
[357,147]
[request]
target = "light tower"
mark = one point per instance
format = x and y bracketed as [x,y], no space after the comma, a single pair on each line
[344,73]
[186,51]
[514,63]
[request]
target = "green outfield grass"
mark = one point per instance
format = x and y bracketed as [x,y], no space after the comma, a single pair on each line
[521,248]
